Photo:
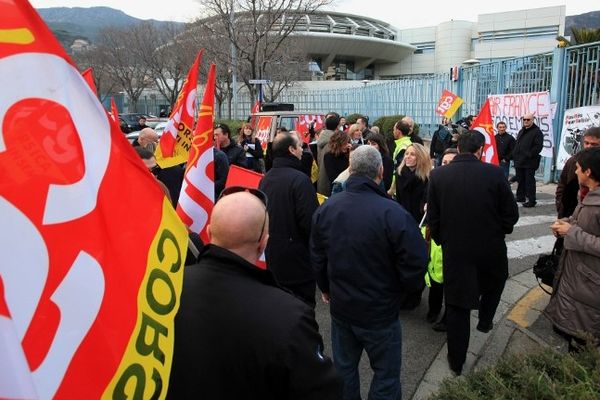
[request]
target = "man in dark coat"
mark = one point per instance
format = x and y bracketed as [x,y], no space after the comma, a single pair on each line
[526,156]
[568,189]
[292,202]
[365,262]
[238,335]
[470,209]
[505,143]
[235,153]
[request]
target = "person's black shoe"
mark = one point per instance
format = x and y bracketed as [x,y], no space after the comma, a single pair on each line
[529,204]
[521,200]
[485,328]
[457,371]
[439,326]
[432,317]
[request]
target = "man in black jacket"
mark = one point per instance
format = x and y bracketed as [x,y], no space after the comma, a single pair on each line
[526,156]
[472,239]
[505,143]
[235,153]
[238,335]
[365,263]
[568,190]
[292,202]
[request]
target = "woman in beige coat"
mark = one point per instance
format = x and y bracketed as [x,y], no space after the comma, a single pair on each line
[574,308]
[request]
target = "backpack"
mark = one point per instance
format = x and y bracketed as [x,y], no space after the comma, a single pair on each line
[443,140]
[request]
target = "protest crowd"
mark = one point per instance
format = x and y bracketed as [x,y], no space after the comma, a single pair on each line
[341,216]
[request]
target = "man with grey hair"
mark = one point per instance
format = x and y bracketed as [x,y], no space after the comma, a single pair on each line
[365,262]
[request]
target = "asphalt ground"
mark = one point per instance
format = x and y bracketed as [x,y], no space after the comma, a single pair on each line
[423,355]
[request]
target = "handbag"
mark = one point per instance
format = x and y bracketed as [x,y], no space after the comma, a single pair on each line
[546,266]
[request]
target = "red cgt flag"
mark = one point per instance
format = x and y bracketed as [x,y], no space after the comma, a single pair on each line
[197,195]
[176,137]
[92,251]
[484,124]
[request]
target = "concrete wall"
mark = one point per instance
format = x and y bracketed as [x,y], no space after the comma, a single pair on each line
[452,44]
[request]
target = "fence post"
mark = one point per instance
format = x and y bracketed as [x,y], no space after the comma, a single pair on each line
[557,95]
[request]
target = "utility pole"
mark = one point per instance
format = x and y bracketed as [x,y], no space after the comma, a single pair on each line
[233,61]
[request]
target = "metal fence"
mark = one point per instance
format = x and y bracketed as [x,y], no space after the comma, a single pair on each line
[572,76]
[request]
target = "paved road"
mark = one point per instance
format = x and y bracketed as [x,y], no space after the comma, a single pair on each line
[421,344]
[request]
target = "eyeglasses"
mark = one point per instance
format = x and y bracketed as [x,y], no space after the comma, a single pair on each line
[257,193]
[526,119]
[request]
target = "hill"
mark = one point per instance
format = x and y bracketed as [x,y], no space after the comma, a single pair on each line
[70,23]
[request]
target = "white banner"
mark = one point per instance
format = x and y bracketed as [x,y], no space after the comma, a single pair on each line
[575,122]
[510,109]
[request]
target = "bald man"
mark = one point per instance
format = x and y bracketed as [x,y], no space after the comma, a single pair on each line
[237,333]
[147,139]
[526,158]
[414,137]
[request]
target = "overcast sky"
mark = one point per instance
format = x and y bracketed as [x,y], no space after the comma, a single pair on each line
[400,14]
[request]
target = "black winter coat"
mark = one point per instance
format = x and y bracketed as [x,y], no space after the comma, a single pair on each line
[411,193]
[505,145]
[530,142]
[366,261]
[292,202]
[470,208]
[235,154]
[240,336]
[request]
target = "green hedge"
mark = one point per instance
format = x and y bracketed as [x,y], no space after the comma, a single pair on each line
[233,124]
[386,125]
[545,374]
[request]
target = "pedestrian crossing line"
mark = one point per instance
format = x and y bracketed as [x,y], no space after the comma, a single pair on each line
[529,247]
[536,220]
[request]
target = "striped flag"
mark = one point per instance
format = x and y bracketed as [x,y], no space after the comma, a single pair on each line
[176,139]
[197,195]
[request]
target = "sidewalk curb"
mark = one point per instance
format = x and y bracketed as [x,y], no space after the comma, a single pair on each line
[521,294]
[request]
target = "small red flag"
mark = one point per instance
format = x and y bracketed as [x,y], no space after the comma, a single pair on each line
[114,110]
[88,75]
[484,124]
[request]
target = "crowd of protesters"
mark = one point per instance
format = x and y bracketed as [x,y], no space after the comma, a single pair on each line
[393,222]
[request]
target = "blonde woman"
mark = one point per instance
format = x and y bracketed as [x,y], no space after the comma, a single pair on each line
[412,179]
[355,134]
[252,147]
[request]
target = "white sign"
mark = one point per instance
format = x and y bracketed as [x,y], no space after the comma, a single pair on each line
[510,108]
[575,122]
[259,81]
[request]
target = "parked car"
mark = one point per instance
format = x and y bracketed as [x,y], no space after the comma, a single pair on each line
[130,122]
[265,123]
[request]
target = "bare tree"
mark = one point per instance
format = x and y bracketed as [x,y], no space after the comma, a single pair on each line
[258,30]
[93,57]
[122,49]
[171,54]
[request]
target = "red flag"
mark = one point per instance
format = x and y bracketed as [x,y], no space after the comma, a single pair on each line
[181,121]
[239,176]
[197,195]
[484,124]
[114,110]
[89,285]
[88,75]
[255,109]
